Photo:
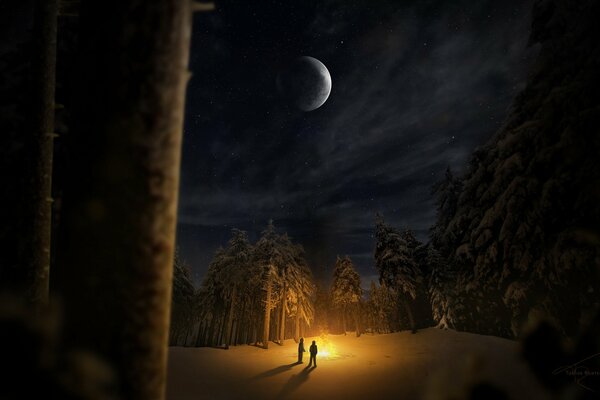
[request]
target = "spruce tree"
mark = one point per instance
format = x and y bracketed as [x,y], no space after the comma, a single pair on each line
[398,269]
[183,300]
[346,292]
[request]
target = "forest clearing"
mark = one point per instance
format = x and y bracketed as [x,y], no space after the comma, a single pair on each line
[425,365]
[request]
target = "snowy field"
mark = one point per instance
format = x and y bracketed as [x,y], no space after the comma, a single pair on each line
[432,364]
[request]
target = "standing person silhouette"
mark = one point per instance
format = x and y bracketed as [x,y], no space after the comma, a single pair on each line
[300,350]
[313,354]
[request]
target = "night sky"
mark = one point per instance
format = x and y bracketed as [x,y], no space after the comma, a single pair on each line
[416,88]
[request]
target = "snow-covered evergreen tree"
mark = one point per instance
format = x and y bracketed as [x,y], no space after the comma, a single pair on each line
[446,195]
[300,291]
[397,266]
[235,275]
[381,308]
[247,285]
[212,299]
[441,288]
[270,258]
[346,292]
[184,301]
[524,236]
[286,280]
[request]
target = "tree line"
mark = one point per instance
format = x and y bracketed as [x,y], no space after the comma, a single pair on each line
[252,293]
[264,292]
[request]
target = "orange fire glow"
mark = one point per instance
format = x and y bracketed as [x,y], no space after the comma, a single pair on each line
[326,347]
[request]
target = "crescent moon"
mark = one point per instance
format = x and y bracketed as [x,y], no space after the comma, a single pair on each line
[307,83]
[318,94]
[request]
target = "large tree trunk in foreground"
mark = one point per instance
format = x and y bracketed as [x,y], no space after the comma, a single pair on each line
[34,249]
[115,265]
[267,319]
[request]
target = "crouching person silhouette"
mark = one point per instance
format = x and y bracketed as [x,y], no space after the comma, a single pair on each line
[300,350]
[313,353]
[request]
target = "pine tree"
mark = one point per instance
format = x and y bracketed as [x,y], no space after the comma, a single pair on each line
[212,297]
[346,292]
[268,255]
[446,193]
[273,279]
[183,303]
[287,271]
[440,288]
[301,290]
[398,269]
[524,237]
[237,267]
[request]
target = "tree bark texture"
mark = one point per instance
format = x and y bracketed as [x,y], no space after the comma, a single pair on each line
[356,319]
[297,327]
[282,315]
[115,252]
[267,319]
[34,244]
[409,314]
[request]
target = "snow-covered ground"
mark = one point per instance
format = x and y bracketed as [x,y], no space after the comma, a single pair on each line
[431,364]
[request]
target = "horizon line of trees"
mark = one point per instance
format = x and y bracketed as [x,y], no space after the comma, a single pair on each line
[256,293]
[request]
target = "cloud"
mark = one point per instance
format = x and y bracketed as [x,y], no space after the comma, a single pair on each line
[415,88]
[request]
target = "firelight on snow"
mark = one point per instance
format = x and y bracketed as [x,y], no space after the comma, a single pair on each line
[326,348]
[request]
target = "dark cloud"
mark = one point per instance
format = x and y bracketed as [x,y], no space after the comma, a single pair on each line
[415,88]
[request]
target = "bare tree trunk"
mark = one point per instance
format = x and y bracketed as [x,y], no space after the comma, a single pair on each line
[250,325]
[198,340]
[241,323]
[115,254]
[356,321]
[238,324]
[297,334]
[267,319]
[344,319]
[211,329]
[409,313]
[34,249]
[275,329]
[230,317]
[201,339]
[209,332]
[187,335]
[282,316]
[221,337]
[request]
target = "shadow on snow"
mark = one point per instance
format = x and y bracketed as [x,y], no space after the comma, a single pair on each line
[275,371]
[295,382]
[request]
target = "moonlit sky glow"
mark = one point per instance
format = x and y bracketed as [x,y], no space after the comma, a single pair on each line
[417,87]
